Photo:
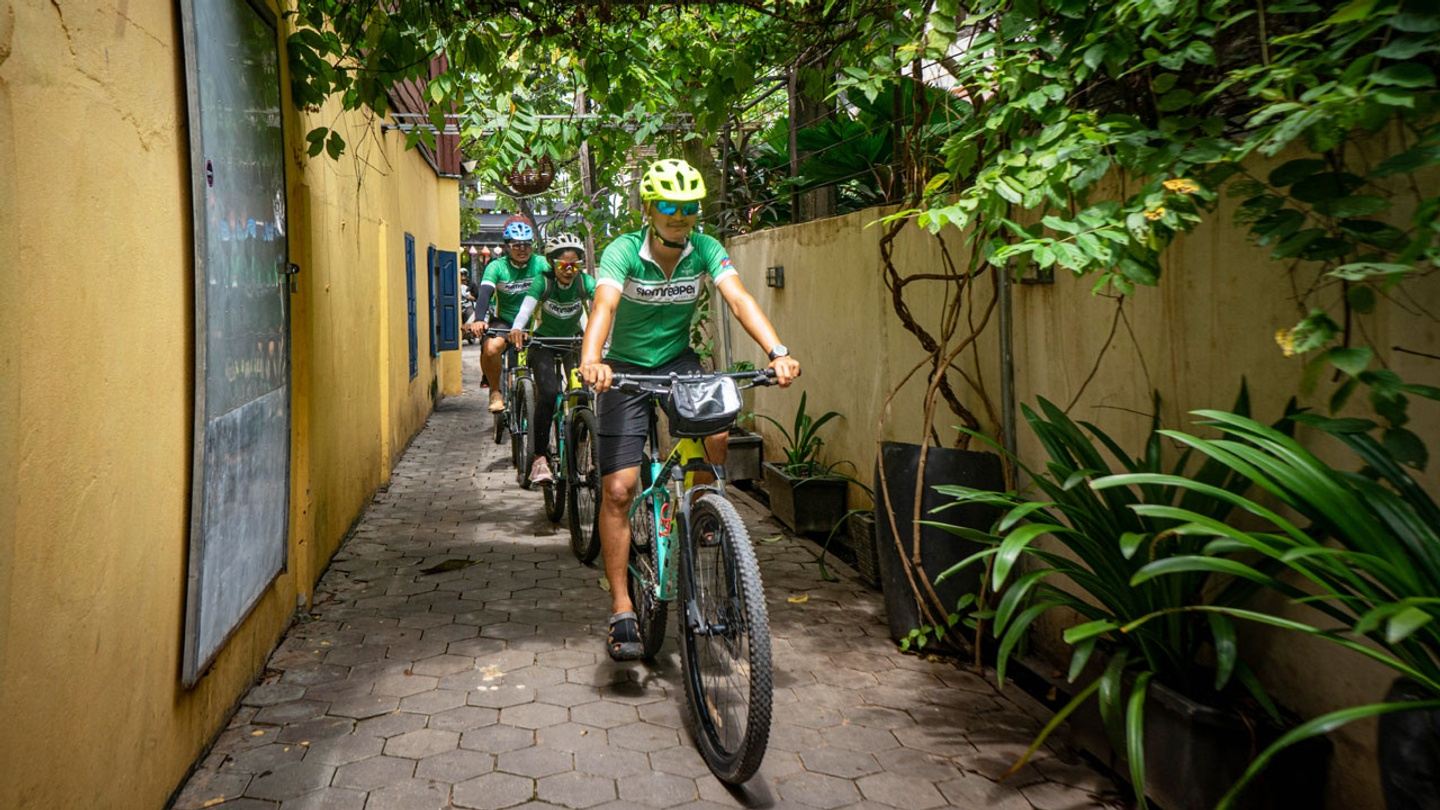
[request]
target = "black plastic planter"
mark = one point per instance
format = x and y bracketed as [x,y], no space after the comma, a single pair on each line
[938,549]
[805,505]
[742,459]
[1410,752]
[1194,752]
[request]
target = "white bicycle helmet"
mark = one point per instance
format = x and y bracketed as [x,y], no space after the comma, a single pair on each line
[564,241]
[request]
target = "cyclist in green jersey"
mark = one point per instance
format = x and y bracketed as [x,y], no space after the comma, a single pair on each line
[507,278]
[561,295]
[648,286]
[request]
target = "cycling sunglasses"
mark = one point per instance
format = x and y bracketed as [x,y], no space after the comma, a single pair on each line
[567,265]
[670,209]
[520,245]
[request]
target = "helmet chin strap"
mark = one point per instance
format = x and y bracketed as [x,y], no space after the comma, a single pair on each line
[669,244]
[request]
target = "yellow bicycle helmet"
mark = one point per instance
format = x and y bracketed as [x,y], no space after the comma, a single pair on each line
[672,180]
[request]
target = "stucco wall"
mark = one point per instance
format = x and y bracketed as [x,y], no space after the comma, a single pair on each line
[1211,320]
[96,395]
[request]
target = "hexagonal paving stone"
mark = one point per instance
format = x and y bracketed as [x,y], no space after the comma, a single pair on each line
[507,630]
[944,741]
[451,632]
[436,700]
[405,685]
[422,743]
[535,676]
[441,665]
[859,738]
[973,790]
[362,707]
[567,694]
[658,790]
[897,791]
[604,714]
[290,781]
[571,737]
[680,761]
[611,762]
[493,791]
[344,750]
[455,766]
[294,711]
[535,761]
[206,786]
[412,794]
[500,697]
[324,728]
[839,762]
[565,659]
[464,718]
[643,737]
[368,774]
[266,758]
[818,790]
[425,621]
[268,694]
[390,725]
[534,715]
[575,790]
[666,713]
[917,764]
[496,739]
[330,798]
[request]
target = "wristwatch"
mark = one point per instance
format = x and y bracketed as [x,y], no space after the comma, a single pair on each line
[779,351]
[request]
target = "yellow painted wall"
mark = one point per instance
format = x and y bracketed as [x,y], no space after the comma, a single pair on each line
[96,395]
[1212,318]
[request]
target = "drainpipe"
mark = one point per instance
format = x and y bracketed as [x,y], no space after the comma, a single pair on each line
[1007,371]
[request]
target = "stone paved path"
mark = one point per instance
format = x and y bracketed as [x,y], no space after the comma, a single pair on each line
[413,687]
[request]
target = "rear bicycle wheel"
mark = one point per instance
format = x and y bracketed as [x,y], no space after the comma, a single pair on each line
[559,475]
[584,495]
[725,643]
[522,447]
[643,580]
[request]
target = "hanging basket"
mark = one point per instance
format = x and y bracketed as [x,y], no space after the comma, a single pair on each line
[533,179]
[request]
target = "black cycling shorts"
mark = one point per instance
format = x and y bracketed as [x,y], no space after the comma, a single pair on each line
[625,418]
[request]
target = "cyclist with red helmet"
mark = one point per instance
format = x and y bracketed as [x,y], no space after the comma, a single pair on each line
[507,279]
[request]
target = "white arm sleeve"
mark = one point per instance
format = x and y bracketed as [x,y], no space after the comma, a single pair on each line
[527,308]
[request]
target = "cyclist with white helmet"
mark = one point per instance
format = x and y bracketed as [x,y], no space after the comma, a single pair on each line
[508,279]
[648,287]
[562,295]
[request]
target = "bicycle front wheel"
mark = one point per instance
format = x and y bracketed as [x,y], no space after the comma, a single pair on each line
[584,494]
[725,642]
[643,579]
[522,449]
[559,474]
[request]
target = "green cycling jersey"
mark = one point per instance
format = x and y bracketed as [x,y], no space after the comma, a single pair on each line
[652,321]
[560,307]
[511,283]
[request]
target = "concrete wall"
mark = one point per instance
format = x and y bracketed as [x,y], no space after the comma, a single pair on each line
[97,390]
[1211,320]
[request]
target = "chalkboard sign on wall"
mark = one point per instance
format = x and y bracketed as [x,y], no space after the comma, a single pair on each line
[241,477]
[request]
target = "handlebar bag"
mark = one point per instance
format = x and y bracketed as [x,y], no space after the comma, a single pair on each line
[700,408]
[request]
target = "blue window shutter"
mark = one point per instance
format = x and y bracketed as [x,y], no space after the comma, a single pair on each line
[449,301]
[410,303]
[432,272]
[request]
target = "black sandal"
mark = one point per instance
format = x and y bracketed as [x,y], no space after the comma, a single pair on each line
[624,640]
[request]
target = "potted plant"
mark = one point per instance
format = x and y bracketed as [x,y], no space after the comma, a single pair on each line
[746,448]
[1175,704]
[1370,558]
[805,494]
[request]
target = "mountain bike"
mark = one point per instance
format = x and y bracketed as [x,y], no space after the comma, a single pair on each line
[517,389]
[724,627]
[576,462]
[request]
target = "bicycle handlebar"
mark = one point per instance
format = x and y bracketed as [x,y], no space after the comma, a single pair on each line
[660,383]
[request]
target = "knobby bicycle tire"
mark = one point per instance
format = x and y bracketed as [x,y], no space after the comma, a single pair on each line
[650,612]
[584,495]
[559,472]
[522,450]
[731,739]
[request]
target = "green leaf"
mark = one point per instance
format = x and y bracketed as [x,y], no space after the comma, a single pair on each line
[1291,172]
[1135,736]
[1352,11]
[1405,74]
[1174,100]
[1130,542]
[1014,545]
[1406,447]
[1089,630]
[1416,22]
[1404,623]
[1362,271]
[335,145]
[1222,632]
[1351,361]
[1079,659]
[1296,244]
